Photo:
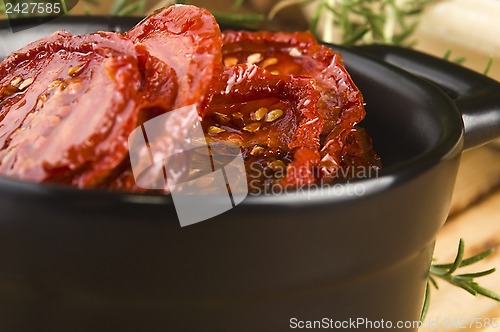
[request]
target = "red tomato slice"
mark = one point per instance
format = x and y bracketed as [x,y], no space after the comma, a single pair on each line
[189,40]
[274,118]
[68,104]
[340,104]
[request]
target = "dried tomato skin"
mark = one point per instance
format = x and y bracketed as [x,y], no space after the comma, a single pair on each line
[293,130]
[157,96]
[159,86]
[340,105]
[71,123]
[300,54]
[189,40]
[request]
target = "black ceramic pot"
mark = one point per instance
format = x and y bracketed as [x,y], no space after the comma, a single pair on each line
[73,260]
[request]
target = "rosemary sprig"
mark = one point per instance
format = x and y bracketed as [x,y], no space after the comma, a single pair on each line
[2,9]
[361,21]
[231,17]
[465,281]
[238,19]
[459,60]
[128,7]
[488,65]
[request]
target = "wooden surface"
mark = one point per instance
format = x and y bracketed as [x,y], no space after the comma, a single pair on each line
[475,218]
[467,28]
[470,29]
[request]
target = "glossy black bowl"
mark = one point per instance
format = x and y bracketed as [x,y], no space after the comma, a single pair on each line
[82,260]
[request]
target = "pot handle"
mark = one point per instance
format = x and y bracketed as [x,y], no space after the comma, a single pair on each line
[476,96]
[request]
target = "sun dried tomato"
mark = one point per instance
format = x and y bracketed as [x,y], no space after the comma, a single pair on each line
[300,54]
[68,104]
[159,85]
[188,39]
[157,96]
[340,105]
[273,118]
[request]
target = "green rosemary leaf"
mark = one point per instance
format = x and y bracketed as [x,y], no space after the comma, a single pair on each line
[356,35]
[63,6]
[488,65]
[117,6]
[399,39]
[414,12]
[470,276]
[465,280]
[279,6]
[427,302]
[487,293]
[94,3]
[458,259]
[411,44]
[447,55]
[313,25]
[238,19]
[478,257]
[133,8]
[469,261]
[433,282]
[464,286]
[439,270]
[333,10]
[237,4]
[460,60]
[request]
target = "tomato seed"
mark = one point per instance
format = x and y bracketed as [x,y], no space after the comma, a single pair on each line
[16,80]
[257,150]
[229,62]
[76,70]
[269,62]
[274,115]
[54,84]
[277,165]
[238,115]
[221,118]
[260,113]
[26,83]
[254,58]
[252,127]
[215,130]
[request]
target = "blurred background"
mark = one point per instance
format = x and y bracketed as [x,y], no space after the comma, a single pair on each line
[467,28]
[463,30]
